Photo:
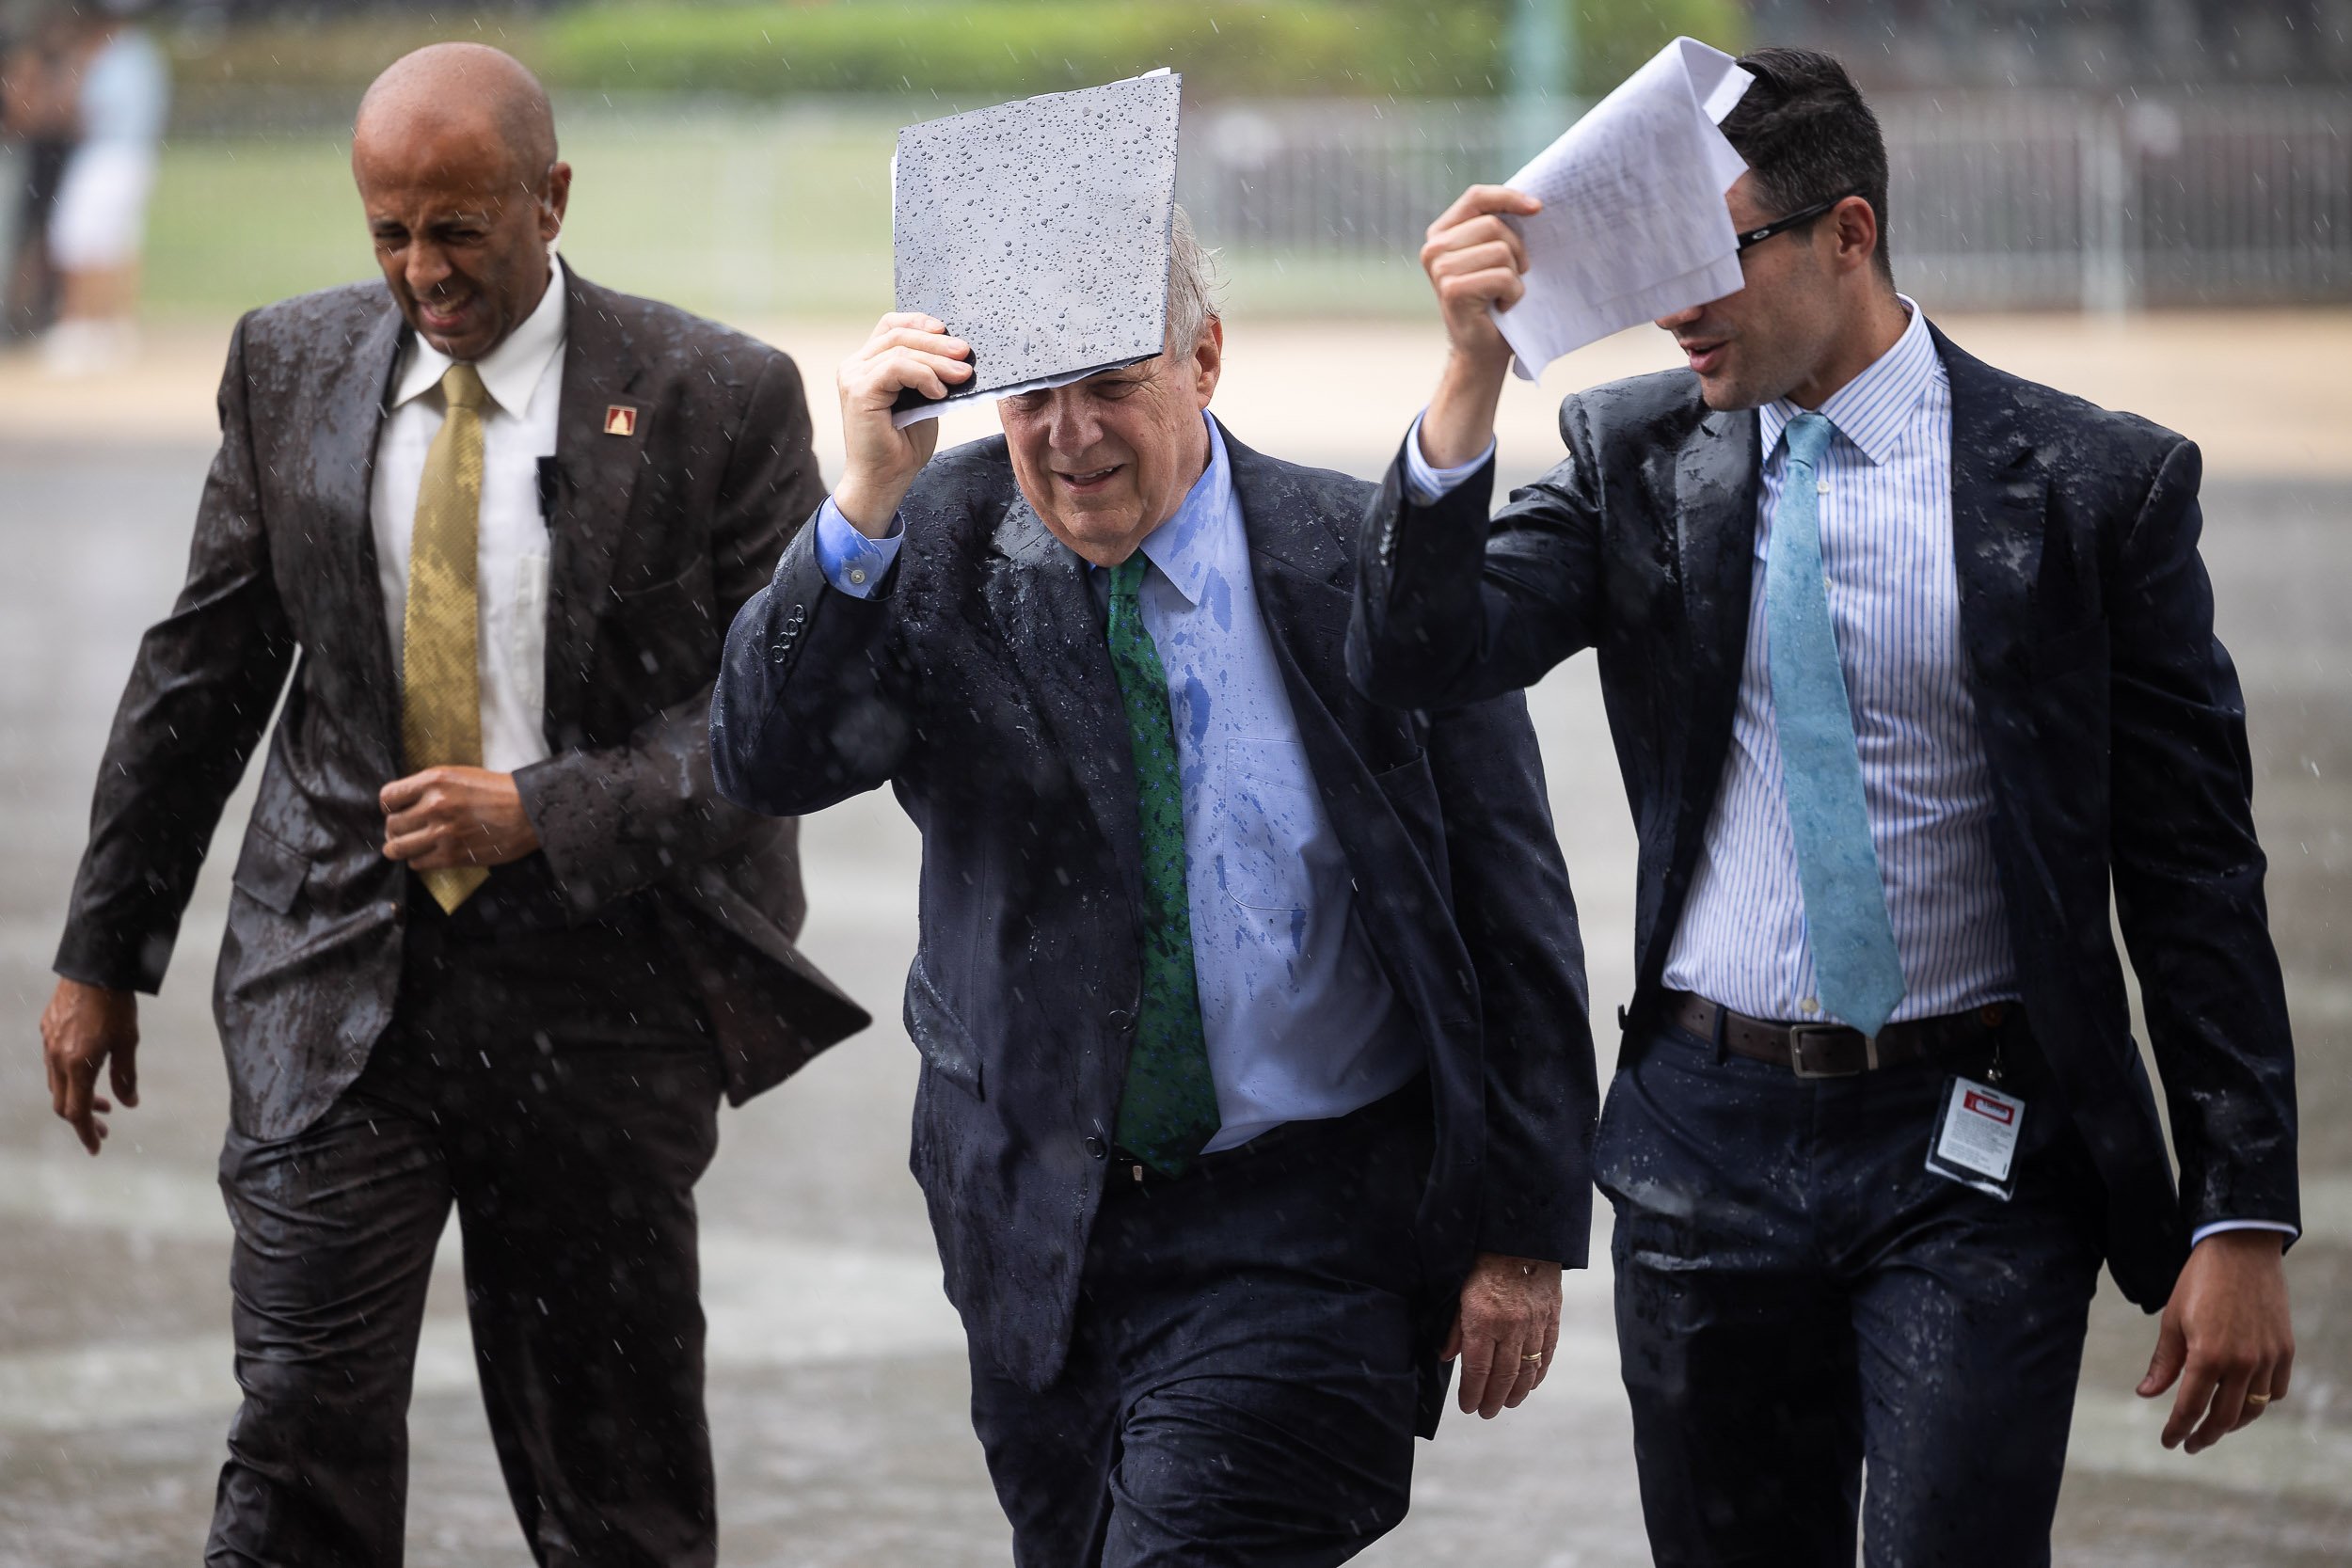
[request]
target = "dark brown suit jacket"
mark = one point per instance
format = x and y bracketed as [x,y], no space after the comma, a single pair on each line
[656,537]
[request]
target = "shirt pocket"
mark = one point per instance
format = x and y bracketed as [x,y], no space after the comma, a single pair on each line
[1263,822]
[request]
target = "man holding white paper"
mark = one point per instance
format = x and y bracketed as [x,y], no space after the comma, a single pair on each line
[1257,1078]
[1633,223]
[1908,662]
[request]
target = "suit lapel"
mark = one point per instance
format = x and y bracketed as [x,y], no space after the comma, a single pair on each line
[2000,517]
[1304,575]
[596,472]
[1043,598]
[350,423]
[1717,474]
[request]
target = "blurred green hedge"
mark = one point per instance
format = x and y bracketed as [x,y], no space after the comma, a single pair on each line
[1008,47]
[981,50]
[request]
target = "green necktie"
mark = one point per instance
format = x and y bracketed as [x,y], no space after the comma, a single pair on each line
[1169,1108]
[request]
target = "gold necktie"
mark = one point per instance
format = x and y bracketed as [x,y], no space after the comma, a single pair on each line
[440,687]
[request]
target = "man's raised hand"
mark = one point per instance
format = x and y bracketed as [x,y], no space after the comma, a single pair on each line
[1475,262]
[907,350]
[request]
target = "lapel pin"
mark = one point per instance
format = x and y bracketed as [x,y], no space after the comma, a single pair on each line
[620,419]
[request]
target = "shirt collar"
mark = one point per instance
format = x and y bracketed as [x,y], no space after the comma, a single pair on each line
[1873,408]
[511,371]
[1197,542]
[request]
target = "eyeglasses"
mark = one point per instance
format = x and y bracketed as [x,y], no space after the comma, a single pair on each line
[1804,215]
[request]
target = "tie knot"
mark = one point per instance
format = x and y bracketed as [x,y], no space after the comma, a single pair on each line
[461,387]
[1807,437]
[1127,577]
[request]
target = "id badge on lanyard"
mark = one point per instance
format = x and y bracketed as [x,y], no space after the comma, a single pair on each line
[1976,1137]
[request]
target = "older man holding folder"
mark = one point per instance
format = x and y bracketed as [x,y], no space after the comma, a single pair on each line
[1256,1071]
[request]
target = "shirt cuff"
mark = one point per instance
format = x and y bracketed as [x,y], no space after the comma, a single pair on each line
[2217,1226]
[853,563]
[1430,485]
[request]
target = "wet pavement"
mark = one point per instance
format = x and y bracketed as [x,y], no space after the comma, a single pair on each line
[837,1384]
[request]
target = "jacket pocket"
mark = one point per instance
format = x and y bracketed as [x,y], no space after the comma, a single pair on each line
[665,632]
[947,1046]
[1411,790]
[268,872]
[687,593]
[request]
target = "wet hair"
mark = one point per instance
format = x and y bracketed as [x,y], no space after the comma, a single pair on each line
[1191,285]
[1809,137]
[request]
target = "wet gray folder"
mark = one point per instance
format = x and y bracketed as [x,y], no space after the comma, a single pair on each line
[1039,231]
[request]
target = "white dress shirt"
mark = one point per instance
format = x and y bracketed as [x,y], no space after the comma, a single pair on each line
[1886,499]
[524,377]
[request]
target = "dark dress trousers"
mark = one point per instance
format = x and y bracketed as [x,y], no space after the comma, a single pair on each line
[549,1059]
[1226,1365]
[1944,1324]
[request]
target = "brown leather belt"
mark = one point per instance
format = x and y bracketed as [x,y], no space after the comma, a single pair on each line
[1832,1050]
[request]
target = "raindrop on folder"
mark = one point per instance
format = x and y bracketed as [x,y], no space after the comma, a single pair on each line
[1039,231]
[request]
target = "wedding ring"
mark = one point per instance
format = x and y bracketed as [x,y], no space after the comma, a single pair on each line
[2258,1399]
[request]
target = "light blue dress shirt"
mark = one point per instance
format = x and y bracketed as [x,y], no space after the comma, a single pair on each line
[1886,500]
[1301,1024]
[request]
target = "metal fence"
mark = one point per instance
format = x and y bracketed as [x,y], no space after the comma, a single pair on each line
[2014,199]
[2000,200]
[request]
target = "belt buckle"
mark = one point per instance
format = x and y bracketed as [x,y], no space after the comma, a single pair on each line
[1800,1032]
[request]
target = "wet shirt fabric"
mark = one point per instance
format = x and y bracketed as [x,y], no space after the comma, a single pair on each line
[1885,519]
[1300,1021]
[524,376]
[1886,511]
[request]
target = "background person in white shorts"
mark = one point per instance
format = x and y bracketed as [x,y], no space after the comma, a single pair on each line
[100,222]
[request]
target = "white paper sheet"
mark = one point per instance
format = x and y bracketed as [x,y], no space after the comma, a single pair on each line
[1633,225]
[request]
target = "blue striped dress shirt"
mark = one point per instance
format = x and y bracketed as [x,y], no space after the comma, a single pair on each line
[1886,493]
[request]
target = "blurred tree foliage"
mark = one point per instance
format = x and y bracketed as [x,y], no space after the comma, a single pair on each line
[977,51]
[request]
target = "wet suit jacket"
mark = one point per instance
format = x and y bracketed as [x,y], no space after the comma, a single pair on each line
[2111,716]
[660,522]
[978,686]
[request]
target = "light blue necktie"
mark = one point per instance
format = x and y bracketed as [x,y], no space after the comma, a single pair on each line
[1855,962]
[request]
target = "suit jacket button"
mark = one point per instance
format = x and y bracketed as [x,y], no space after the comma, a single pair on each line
[1096,1146]
[1122,1019]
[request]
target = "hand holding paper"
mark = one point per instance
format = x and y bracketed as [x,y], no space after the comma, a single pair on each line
[1474,258]
[909,352]
[1633,224]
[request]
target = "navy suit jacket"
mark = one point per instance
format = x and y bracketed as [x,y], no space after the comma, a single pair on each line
[2111,716]
[979,687]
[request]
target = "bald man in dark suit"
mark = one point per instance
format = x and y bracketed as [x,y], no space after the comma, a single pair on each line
[495,943]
